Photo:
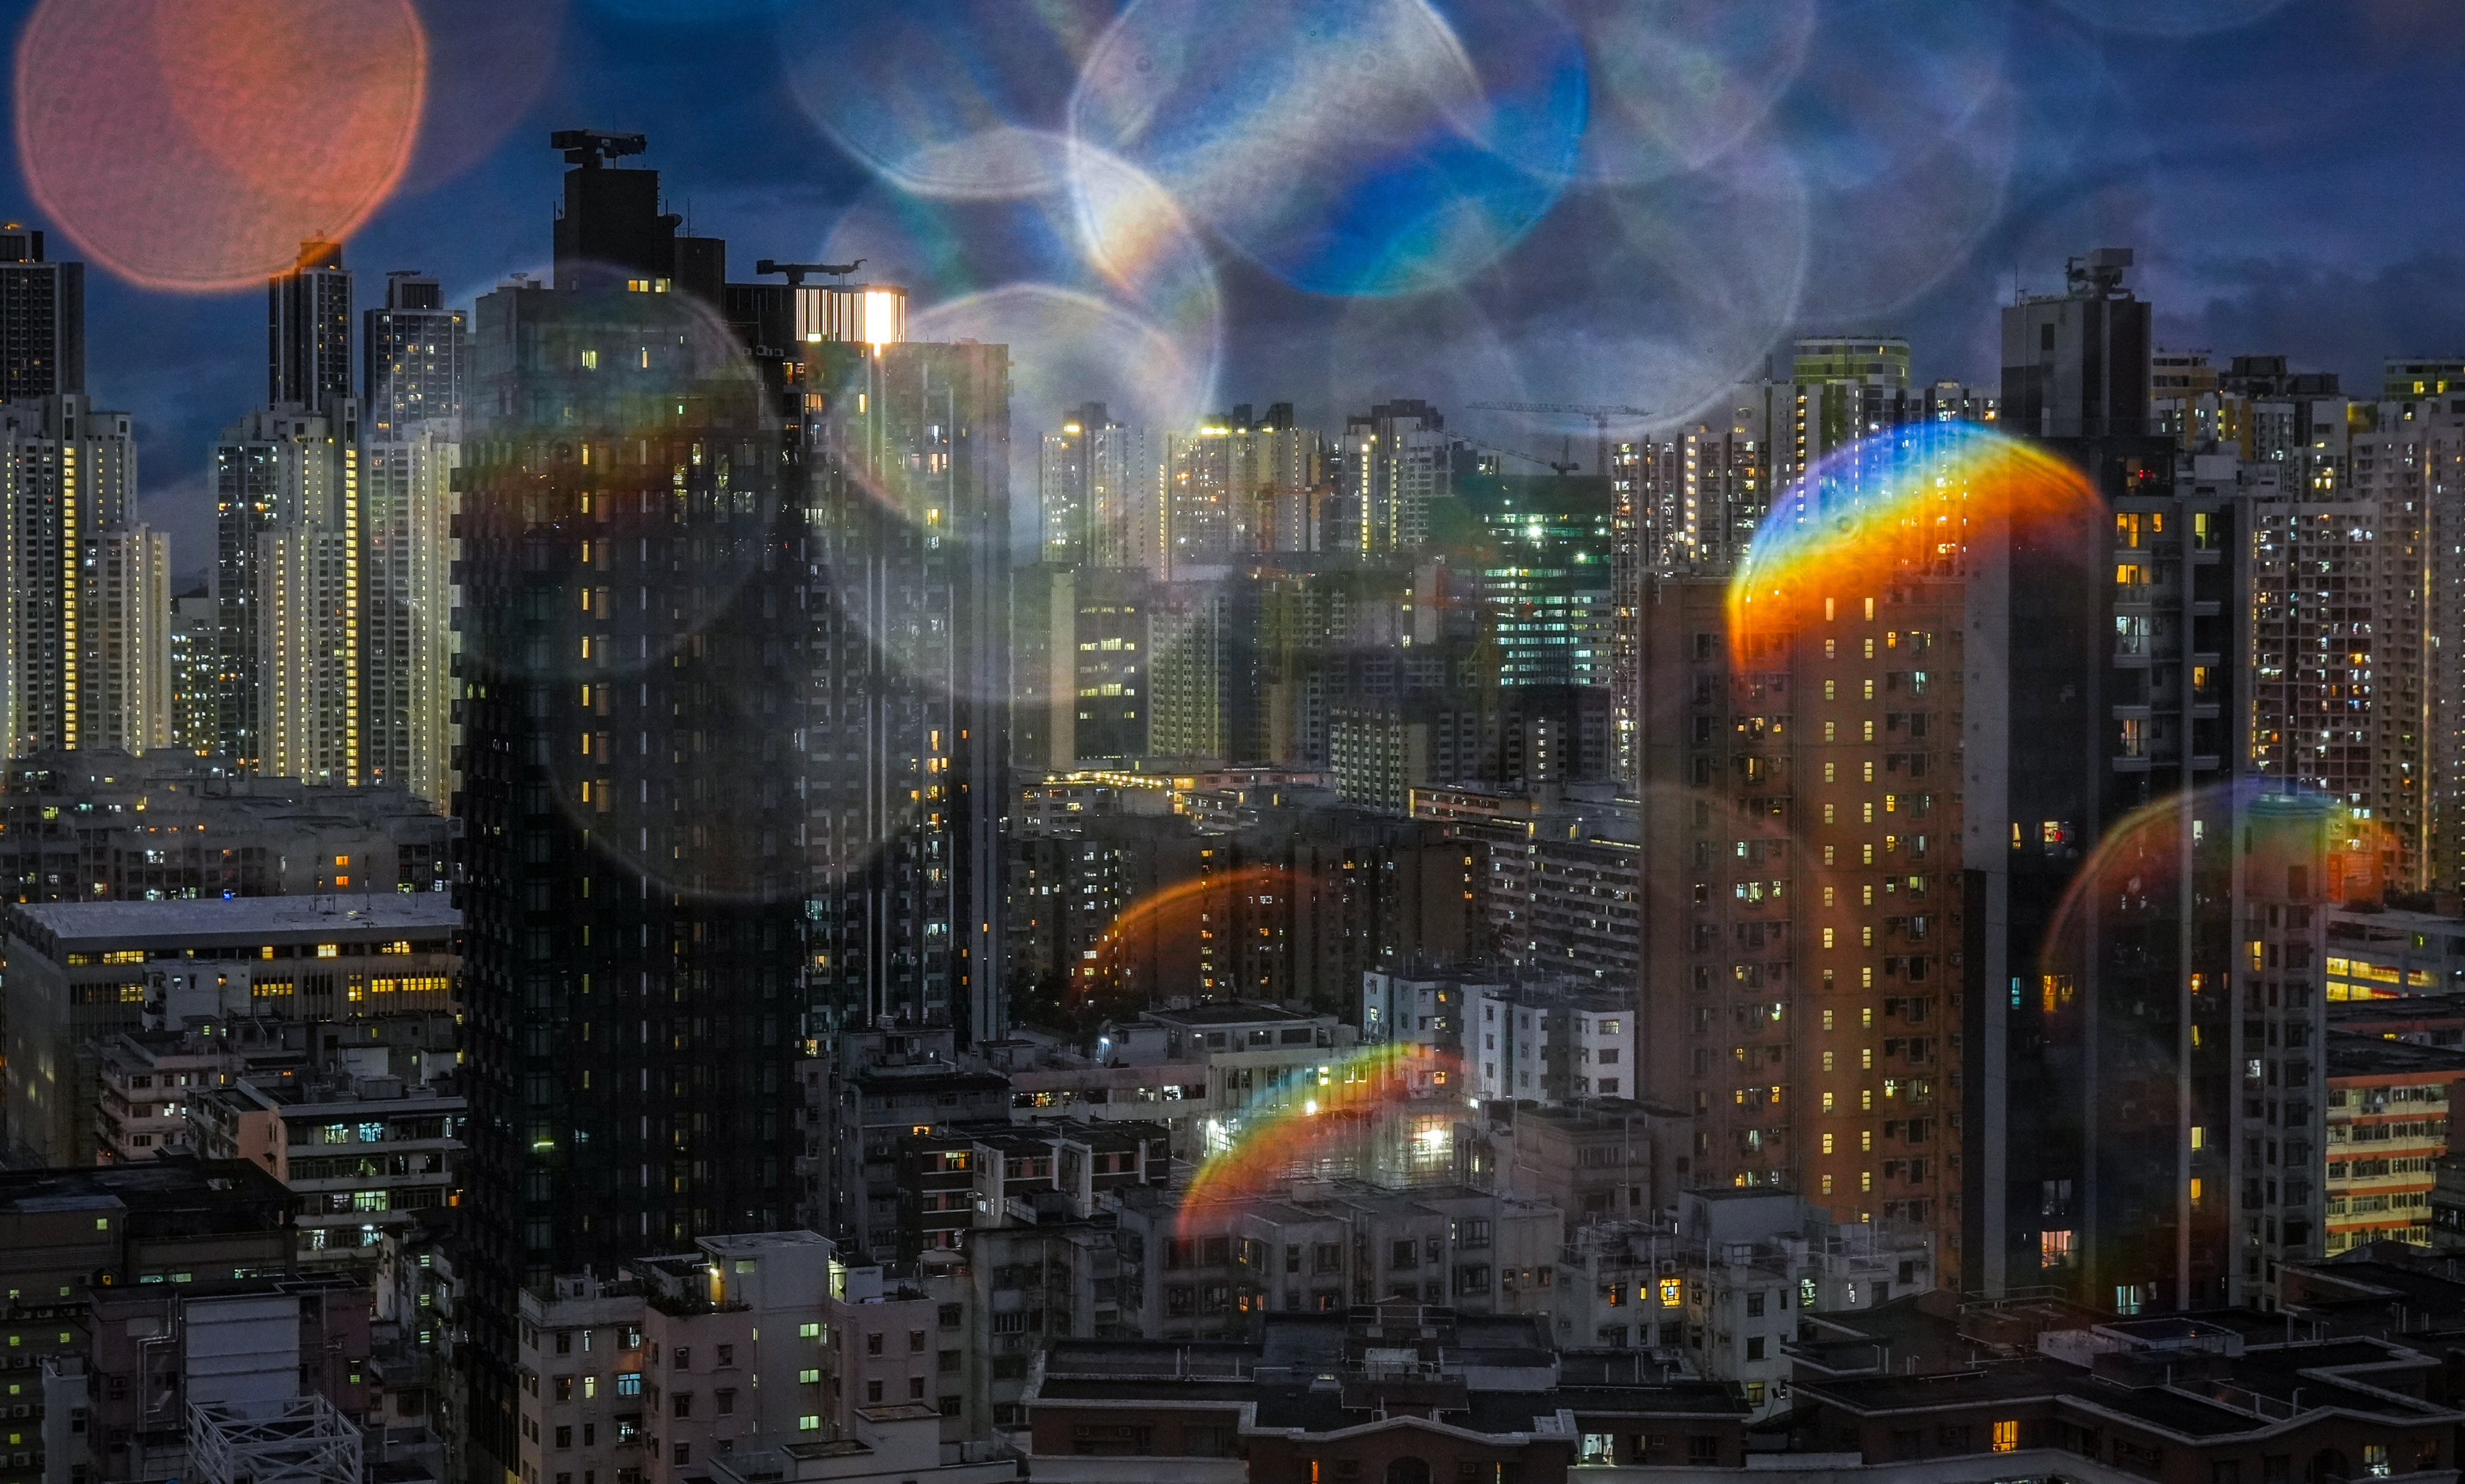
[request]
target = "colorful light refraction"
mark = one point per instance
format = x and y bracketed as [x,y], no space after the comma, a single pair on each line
[1314,1123]
[1154,939]
[1896,506]
[2132,882]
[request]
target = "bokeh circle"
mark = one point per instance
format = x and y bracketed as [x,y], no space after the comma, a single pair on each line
[193,145]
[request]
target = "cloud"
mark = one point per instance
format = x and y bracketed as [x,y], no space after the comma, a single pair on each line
[2323,317]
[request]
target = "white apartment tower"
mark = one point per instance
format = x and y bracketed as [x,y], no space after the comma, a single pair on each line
[417,354]
[287,488]
[86,584]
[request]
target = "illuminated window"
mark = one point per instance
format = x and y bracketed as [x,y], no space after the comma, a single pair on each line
[329,950]
[2007,1436]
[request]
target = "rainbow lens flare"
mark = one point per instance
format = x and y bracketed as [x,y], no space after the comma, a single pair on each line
[1896,506]
[1155,942]
[1299,1131]
[2301,843]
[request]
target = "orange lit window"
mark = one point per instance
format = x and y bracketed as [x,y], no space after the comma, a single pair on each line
[2007,1436]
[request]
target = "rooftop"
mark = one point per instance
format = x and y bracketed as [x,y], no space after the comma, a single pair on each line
[166,1185]
[2353,1056]
[198,919]
[1205,1015]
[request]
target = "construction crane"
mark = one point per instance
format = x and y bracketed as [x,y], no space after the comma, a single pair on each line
[1600,417]
[1560,466]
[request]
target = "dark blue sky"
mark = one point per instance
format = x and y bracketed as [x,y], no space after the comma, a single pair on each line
[2290,184]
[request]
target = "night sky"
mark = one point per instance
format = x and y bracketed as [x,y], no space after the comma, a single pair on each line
[2287,173]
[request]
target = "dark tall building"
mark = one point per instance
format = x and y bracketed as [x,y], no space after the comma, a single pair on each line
[2075,363]
[2098,948]
[42,319]
[630,884]
[733,663]
[905,737]
[308,331]
[417,355]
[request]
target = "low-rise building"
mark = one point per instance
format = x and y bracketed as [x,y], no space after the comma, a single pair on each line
[2388,1128]
[80,973]
[1723,1290]
[360,1156]
[581,1367]
[1551,1043]
[1216,1268]
[2212,1397]
[150,1079]
[1391,1392]
[154,1351]
[2378,954]
[1181,1068]
[747,1354]
[879,1087]
[895,1440]
[69,1234]
[96,823]
[1603,1158]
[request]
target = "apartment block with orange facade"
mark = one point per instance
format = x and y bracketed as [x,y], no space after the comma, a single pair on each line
[2388,1126]
[1802,905]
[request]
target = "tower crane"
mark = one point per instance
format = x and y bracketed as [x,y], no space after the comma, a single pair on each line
[1601,416]
[1559,466]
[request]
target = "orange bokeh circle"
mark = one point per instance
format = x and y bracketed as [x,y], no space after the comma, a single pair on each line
[193,145]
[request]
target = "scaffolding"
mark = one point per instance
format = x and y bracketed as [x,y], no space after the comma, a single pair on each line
[300,1440]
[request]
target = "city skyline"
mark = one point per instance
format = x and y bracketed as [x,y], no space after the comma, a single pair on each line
[2120,137]
[1335,742]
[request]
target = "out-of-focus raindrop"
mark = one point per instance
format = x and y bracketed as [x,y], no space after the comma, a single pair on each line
[1897,504]
[194,145]
[954,98]
[1676,85]
[1663,297]
[689,12]
[487,63]
[1902,125]
[1337,176]
[1888,238]
[1068,348]
[2170,17]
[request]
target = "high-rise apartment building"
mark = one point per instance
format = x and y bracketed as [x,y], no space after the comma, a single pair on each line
[127,669]
[1545,586]
[196,657]
[287,500]
[629,888]
[1392,462]
[1800,897]
[1691,501]
[1240,483]
[42,319]
[908,684]
[308,331]
[1081,664]
[2076,364]
[2103,736]
[1098,485]
[734,649]
[86,661]
[417,356]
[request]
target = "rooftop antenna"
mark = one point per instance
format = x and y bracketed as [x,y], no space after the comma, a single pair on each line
[795,272]
[589,149]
